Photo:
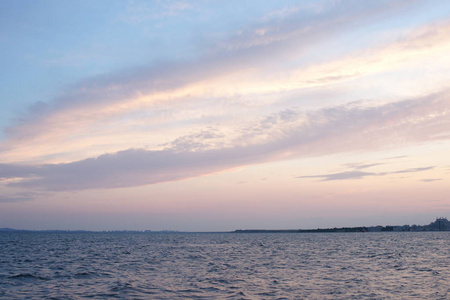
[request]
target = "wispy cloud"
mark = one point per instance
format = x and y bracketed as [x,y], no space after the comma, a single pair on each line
[413,170]
[280,136]
[396,157]
[343,175]
[431,179]
[359,166]
[19,197]
[229,72]
[359,174]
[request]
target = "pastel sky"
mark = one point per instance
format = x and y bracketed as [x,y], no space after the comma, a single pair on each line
[223,115]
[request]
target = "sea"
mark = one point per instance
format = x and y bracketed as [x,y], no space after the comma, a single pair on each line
[102,265]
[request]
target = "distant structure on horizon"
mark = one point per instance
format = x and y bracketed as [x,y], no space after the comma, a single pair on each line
[441,224]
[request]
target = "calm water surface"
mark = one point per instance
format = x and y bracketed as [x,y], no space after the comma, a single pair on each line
[225,266]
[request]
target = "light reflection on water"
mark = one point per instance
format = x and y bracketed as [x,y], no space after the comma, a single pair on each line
[224,265]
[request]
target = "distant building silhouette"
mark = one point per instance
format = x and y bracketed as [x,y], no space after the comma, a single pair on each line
[441,224]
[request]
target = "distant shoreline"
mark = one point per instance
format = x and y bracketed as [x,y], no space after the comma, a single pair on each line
[441,224]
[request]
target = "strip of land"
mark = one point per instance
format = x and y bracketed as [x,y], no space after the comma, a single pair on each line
[441,224]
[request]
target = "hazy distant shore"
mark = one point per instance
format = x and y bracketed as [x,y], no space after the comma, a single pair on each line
[441,224]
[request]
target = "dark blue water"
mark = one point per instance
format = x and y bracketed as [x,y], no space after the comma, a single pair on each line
[225,266]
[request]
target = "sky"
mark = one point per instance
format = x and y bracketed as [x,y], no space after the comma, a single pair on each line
[223,115]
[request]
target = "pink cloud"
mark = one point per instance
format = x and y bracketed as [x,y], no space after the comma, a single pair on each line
[332,130]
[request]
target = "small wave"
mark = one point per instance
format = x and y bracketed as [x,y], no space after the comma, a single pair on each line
[27,276]
[212,289]
[436,273]
[85,274]
[103,295]
[424,269]
[120,287]
[239,294]
[189,291]
[267,294]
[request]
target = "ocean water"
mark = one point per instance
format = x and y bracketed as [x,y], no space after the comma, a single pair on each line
[225,265]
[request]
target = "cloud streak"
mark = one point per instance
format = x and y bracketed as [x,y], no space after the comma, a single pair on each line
[232,69]
[360,175]
[431,179]
[19,197]
[285,135]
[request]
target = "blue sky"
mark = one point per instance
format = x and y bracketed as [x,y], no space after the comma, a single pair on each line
[150,110]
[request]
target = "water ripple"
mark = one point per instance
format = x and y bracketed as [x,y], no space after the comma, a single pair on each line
[225,266]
